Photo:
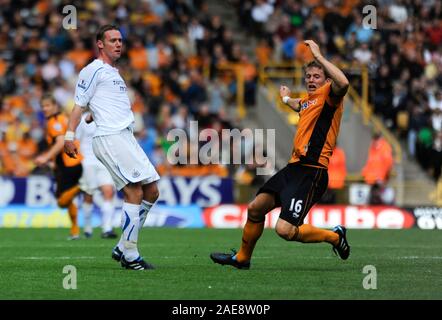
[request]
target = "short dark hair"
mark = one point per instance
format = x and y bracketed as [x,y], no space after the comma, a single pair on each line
[102,30]
[314,64]
[48,96]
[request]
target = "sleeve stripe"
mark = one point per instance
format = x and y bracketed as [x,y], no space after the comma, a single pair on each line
[93,78]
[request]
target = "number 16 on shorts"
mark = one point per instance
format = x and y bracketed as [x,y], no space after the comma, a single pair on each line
[295,207]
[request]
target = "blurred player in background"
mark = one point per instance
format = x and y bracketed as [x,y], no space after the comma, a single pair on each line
[103,90]
[301,184]
[67,171]
[95,178]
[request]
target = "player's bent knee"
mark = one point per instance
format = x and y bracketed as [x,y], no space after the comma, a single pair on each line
[289,233]
[154,195]
[255,213]
[151,192]
[133,194]
[108,192]
[283,234]
[62,204]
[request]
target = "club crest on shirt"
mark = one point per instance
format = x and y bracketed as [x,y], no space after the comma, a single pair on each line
[136,173]
[57,126]
[308,103]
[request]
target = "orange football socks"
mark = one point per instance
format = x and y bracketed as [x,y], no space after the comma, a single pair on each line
[72,210]
[67,196]
[309,234]
[251,233]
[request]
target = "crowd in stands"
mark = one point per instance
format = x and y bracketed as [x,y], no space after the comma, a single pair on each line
[173,49]
[177,52]
[403,53]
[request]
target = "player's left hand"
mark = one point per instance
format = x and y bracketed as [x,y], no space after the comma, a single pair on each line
[314,48]
[70,149]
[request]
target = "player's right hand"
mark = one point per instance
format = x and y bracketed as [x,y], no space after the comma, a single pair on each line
[41,160]
[284,91]
[89,118]
[70,149]
[314,48]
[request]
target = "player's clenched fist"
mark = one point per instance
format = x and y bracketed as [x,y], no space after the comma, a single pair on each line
[284,91]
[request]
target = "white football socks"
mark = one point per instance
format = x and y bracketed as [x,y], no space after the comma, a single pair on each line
[145,208]
[87,213]
[131,225]
[107,211]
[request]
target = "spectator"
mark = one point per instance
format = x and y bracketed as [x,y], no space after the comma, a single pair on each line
[263,52]
[398,12]
[337,173]
[261,12]
[435,101]
[437,156]
[363,54]
[250,78]
[397,104]
[80,56]
[285,28]
[417,122]
[138,56]
[380,194]
[382,90]
[363,35]
[27,149]
[218,95]
[423,146]
[379,162]
[6,160]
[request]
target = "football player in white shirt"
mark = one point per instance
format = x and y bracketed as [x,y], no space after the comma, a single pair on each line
[101,88]
[95,178]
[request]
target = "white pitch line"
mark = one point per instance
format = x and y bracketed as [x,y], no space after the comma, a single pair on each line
[3,246]
[397,246]
[418,257]
[160,245]
[54,258]
[183,256]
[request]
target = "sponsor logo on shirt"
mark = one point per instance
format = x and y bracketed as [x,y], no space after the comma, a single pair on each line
[82,84]
[121,84]
[308,103]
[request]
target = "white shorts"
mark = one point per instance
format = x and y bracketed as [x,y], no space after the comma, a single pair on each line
[95,176]
[124,159]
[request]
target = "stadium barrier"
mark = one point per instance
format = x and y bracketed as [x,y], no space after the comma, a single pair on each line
[19,216]
[234,216]
[204,191]
[322,216]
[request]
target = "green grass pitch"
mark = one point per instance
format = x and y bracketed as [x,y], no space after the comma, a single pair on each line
[407,262]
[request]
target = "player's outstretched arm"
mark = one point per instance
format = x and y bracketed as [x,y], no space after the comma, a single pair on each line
[340,82]
[293,103]
[47,156]
[74,120]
